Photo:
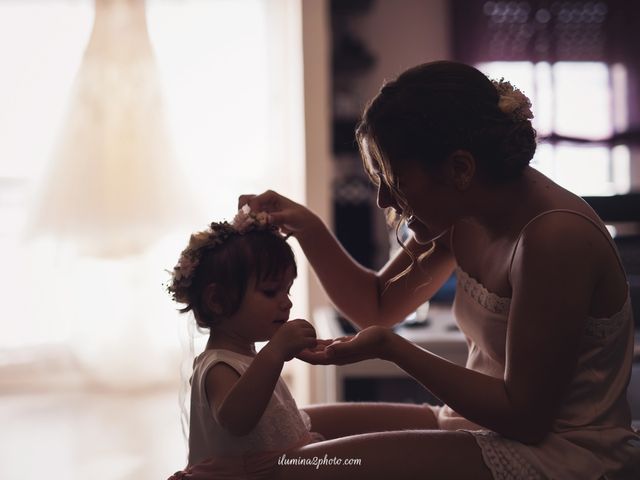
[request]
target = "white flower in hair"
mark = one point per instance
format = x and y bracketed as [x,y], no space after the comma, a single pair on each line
[184,269]
[512,101]
[244,219]
[262,218]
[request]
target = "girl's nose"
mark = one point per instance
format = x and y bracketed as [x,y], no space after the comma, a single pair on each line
[286,303]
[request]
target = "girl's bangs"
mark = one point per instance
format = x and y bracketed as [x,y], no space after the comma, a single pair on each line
[273,256]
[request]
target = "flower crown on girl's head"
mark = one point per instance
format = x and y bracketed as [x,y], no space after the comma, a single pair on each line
[217,233]
[512,101]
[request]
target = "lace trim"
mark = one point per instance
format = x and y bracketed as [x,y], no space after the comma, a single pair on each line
[594,327]
[603,327]
[504,461]
[481,295]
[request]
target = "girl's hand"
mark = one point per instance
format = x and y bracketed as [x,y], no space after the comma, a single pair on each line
[372,342]
[293,337]
[291,217]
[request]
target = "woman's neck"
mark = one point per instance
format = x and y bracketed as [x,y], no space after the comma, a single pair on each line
[221,339]
[496,209]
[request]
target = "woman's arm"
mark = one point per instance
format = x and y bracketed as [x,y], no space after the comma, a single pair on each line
[552,288]
[364,295]
[359,293]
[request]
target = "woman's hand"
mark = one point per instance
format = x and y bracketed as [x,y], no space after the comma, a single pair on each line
[293,337]
[372,342]
[316,355]
[291,217]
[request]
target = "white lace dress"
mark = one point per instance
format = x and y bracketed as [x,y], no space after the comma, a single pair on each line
[591,437]
[282,426]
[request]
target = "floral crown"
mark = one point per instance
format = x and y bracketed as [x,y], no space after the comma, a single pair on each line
[217,233]
[513,102]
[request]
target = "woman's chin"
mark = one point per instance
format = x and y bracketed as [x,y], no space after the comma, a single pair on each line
[422,234]
[422,240]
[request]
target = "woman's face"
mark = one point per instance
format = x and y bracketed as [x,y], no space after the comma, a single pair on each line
[424,198]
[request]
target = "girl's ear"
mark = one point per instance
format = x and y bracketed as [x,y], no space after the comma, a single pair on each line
[461,168]
[211,299]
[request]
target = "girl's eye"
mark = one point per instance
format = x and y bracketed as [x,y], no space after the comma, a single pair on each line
[270,293]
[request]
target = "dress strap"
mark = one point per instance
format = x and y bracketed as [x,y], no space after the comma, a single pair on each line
[598,226]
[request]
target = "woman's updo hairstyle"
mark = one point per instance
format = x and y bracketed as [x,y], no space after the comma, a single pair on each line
[436,108]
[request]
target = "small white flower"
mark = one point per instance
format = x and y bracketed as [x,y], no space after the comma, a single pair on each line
[186,266]
[242,221]
[245,218]
[512,101]
[262,218]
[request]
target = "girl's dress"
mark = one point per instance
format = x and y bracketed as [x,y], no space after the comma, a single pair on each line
[216,453]
[591,437]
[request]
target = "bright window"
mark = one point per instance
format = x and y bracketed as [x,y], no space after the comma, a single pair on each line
[231,78]
[578,106]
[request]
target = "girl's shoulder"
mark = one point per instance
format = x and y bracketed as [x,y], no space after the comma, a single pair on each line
[209,357]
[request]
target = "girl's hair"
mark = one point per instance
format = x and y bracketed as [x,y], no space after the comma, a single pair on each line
[229,259]
[434,109]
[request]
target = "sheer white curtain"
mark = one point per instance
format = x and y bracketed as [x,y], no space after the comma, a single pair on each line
[91,301]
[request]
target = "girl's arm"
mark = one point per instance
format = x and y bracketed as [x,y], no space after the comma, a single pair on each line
[359,293]
[239,401]
[552,289]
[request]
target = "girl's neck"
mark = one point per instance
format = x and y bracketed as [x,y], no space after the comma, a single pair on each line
[223,340]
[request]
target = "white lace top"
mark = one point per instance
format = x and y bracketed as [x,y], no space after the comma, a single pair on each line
[591,435]
[281,425]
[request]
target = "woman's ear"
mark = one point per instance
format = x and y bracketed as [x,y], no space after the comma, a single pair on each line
[461,168]
[211,298]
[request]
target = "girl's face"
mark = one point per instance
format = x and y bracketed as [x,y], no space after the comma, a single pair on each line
[264,308]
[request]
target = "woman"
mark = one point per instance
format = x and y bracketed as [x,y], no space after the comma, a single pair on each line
[541,297]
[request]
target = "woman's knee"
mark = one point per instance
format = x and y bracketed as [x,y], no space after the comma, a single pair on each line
[344,419]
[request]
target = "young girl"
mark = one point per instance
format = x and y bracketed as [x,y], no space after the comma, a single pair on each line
[542,297]
[235,278]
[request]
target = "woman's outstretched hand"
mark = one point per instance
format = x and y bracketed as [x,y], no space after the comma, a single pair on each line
[289,216]
[372,342]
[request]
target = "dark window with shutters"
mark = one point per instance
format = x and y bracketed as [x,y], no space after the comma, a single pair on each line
[576,61]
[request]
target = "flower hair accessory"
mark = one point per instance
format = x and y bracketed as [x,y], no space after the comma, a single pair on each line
[245,220]
[513,102]
[217,233]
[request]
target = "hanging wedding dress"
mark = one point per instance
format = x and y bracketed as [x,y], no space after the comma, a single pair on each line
[113,185]
[112,191]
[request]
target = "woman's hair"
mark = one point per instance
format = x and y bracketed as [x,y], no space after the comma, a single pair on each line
[434,109]
[224,256]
